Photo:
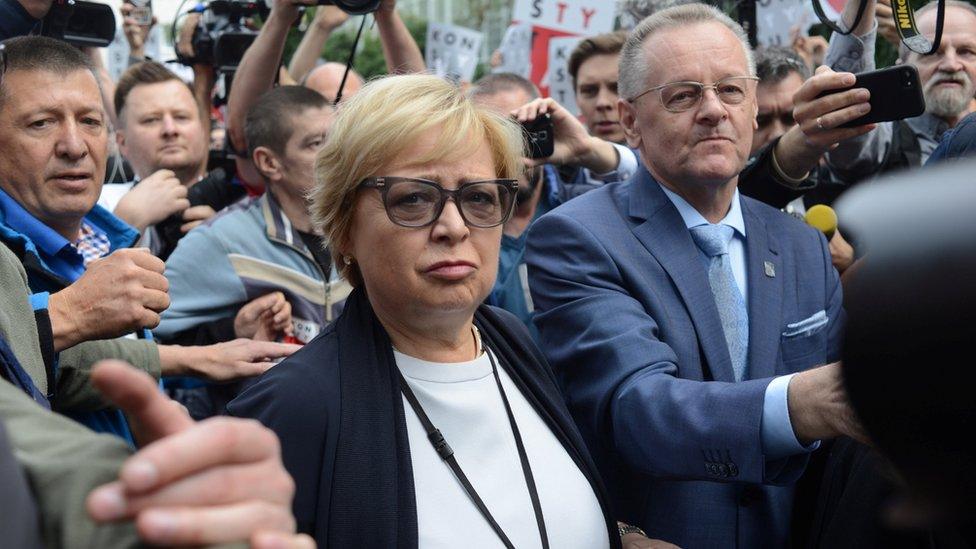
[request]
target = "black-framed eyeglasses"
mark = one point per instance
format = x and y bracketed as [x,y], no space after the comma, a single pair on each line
[412,202]
[686,95]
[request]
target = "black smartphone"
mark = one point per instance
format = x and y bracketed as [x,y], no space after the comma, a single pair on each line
[896,94]
[539,135]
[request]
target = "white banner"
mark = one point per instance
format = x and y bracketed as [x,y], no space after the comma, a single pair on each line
[558,80]
[516,50]
[778,22]
[586,17]
[452,51]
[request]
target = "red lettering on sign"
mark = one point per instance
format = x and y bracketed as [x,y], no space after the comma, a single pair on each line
[587,13]
[562,10]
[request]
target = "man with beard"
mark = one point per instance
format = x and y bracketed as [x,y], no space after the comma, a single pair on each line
[541,189]
[948,84]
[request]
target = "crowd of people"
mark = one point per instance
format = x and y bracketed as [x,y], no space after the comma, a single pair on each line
[382,324]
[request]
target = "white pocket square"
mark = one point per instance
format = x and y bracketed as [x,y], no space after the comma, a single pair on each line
[807,326]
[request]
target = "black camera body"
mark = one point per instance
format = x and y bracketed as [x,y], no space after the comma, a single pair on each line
[539,136]
[353,7]
[222,36]
[80,23]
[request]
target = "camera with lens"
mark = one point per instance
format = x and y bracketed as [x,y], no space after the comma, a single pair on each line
[222,36]
[80,23]
[353,7]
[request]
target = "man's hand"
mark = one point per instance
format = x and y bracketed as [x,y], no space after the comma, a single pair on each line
[841,252]
[152,200]
[118,294]
[819,408]
[812,49]
[287,11]
[572,143]
[329,17]
[194,216]
[237,359]
[820,118]
[264,318]
[184,43]
[217,481]
[135,33]
[886,22]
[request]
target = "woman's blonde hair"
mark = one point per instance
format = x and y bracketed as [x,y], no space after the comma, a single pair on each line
[384,119]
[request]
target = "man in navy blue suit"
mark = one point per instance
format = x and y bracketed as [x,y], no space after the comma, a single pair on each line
[695,331]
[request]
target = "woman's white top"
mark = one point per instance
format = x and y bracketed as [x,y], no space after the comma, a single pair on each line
[462,400]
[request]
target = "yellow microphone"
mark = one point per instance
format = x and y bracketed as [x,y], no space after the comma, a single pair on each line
[823,218]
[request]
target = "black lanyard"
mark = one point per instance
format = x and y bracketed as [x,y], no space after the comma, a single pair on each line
[904,16]
[444,450]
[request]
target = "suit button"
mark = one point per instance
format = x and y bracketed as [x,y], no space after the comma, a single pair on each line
[733,470]
[722,470]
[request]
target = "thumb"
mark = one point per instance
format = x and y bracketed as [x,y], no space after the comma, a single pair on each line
[153,414]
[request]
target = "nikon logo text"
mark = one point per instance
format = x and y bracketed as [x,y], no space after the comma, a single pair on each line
[904,21]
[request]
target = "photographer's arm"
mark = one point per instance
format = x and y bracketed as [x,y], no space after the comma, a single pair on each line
[327,19]
[399,48]
[256,73]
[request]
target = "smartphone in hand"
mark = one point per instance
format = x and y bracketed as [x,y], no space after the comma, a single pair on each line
[539,135]
[896,94]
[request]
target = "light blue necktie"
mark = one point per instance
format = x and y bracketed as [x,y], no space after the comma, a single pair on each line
[714,241]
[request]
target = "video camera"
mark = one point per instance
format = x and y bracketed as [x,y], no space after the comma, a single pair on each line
[222,36]
[80,23]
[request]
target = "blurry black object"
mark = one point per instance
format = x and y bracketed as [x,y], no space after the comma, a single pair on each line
[222,36]
[353,7]
[80,23]
[911,332]
[896,94]
[216,190]
[539,136]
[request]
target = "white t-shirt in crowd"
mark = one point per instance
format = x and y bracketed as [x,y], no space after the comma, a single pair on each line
[462,400]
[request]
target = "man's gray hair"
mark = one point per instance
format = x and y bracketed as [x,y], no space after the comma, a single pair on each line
[775,63]
[632,76]
[903,51]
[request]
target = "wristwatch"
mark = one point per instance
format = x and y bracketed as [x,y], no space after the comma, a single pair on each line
[623,528]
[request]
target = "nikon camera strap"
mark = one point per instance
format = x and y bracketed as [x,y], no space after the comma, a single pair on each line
[904,17]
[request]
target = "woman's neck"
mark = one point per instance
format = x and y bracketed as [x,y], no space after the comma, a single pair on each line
[441,342]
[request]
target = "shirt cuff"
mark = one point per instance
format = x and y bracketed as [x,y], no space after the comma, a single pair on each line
[626,167]
[778,439]
[849,53]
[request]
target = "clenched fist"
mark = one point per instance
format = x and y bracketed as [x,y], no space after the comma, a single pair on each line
[118,294]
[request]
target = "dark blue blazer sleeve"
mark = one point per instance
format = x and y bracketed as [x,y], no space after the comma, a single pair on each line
[298,399]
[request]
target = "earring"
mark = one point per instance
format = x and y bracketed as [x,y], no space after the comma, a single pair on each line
[347,259]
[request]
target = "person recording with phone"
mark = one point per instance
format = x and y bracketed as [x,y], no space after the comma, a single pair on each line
[948,79]
[556,139]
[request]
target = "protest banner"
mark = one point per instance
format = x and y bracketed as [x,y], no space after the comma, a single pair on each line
[516,50]
[452,51]
[558,80]
[560,18]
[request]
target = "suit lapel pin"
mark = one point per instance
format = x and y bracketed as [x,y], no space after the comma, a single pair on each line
[770,269]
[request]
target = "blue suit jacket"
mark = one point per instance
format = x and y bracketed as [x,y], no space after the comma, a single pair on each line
[628,321]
